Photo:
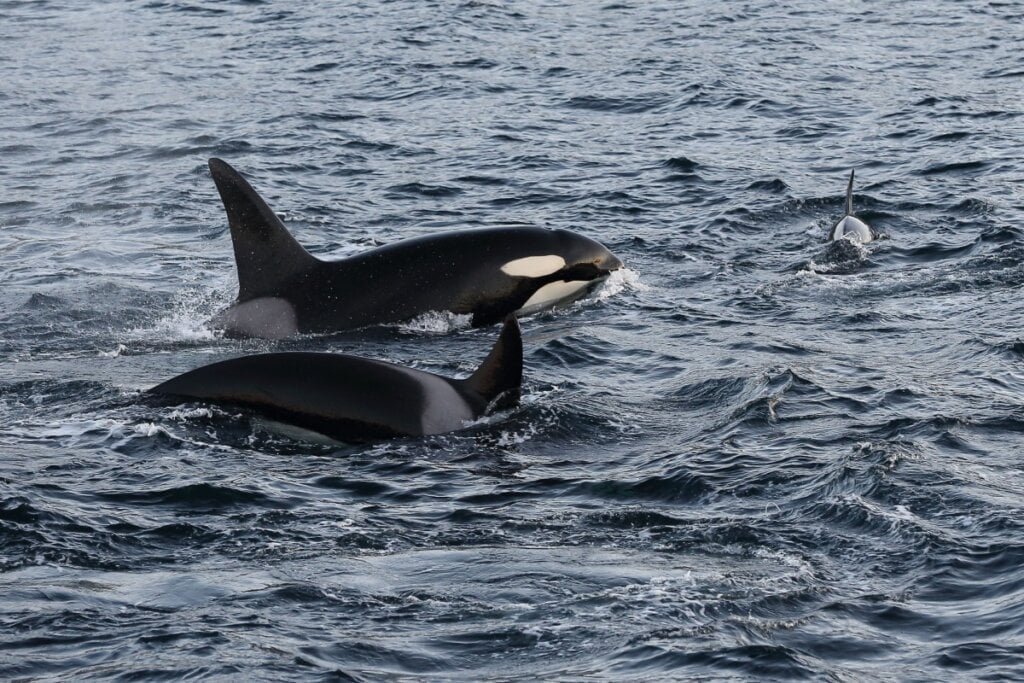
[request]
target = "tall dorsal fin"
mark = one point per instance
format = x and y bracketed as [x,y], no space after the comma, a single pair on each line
[501,374]
[849,195]
[266,254]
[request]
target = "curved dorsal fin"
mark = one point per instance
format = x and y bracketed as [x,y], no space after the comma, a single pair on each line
[266,254]
[849,195]
[499,377]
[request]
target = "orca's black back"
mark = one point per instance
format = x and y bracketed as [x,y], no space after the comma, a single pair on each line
[344,397]
[458,272]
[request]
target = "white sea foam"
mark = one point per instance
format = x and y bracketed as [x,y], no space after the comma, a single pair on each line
[514,438]
[149,429]
[437,322]
[106,429]
[186,318]
[185,321]
[76,429]
[117,351]
[185,414]
[619,281]
[840,256]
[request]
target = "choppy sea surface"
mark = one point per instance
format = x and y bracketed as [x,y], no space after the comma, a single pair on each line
[752,455]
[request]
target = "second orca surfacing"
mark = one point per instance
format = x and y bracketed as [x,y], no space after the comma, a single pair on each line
[487,273]
[354,399]
[849,226]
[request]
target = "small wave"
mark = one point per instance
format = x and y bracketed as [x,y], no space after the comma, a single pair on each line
[775,185]
[971,658]
[681,164]
[322,66]
[425,190]
[624,105]
[949,137]
[956,167]
[680,487]
[708,393]
[633,518]
[1008,72]
[199,495]
[857,511]
[479,179]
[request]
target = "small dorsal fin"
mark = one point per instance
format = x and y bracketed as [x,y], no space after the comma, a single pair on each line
[849,195]
[266,254]
[499,377]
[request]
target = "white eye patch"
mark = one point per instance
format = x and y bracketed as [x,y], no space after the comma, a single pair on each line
[533,266]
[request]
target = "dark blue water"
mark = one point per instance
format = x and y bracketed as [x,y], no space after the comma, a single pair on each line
[751,456]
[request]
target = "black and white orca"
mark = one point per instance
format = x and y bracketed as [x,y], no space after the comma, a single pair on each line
[348,398]
[487,273]
[851,227]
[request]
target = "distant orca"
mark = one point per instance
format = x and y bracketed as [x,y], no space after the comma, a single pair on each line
[348,398]
[489,273]
[850,225]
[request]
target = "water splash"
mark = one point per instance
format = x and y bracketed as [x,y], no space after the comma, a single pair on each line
[186,319]
[620,281]
[437,323]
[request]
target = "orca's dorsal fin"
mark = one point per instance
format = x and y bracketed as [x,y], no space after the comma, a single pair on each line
[500,376]
[849,195]
[266,254]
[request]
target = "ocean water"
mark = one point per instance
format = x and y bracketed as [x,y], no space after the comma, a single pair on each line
[751,456]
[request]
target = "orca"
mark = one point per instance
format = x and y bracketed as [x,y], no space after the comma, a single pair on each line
[486,273]
[354,399]
[851,227]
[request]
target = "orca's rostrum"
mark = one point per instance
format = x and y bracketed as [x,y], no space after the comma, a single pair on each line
[349,398]
[487,273]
